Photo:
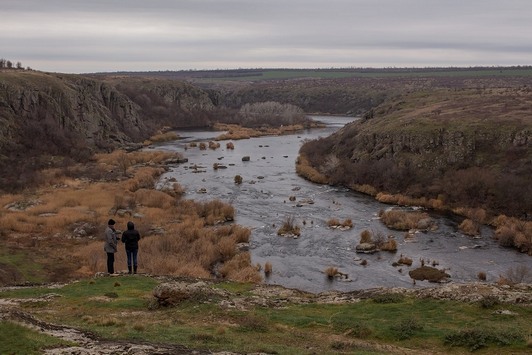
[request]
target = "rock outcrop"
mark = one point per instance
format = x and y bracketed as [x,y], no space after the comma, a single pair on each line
[101,112]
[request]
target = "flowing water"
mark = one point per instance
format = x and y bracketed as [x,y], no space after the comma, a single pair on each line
[262,203]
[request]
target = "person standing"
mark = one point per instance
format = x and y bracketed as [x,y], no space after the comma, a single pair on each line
[131,238]
[110,245]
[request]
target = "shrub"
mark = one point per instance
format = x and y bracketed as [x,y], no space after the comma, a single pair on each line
[267,268]
[270,113]
[404,260]
[230,145]
[153,198]
[214,145]
[469,227]
[406,328]
[389,245]
[388,298]
[477,338]
[331,272]
[403,220]
[349,327]
[489,301]
[164,137]
[289,227]
[428,273]
[305,170]
[365,189]
[238,179]
[365,236]
[347,223]
[333,222]
[481,276]
[202,146]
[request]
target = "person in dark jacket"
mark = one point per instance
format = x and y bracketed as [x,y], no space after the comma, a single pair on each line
[131,238]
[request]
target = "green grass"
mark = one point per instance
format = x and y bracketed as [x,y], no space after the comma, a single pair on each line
[283,74]
[16,339]
[117,308]
[24,265]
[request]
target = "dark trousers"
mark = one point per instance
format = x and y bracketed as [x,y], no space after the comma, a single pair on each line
[132,257]
[111,263]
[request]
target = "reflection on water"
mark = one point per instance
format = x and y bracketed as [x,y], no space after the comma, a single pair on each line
[262,202]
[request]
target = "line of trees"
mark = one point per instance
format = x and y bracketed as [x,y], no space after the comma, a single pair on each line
[7,64]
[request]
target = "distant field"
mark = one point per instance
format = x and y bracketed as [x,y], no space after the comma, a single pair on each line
[283,74]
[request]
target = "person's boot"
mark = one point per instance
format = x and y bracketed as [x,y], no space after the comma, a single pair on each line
[129,269]
[134,269]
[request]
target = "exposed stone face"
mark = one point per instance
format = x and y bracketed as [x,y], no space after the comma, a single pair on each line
[96,111]
[435,149]
[91,108]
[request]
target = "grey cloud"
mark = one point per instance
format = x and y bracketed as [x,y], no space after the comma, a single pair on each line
[103,35]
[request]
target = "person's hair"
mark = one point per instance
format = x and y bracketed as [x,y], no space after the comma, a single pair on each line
[111,222]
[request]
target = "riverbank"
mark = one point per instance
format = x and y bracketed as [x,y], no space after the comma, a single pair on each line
[54,232]
[509,231]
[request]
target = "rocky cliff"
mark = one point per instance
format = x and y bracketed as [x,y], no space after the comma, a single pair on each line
[89,109]
[471,146]
[99,112]
[46,115]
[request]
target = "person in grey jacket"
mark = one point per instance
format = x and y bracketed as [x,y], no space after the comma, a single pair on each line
[131,238]
[110,245]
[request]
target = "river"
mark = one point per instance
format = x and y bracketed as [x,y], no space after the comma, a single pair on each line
[262,203]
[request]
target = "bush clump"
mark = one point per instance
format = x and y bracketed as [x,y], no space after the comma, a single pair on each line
[406,328]
[476,338]
[428,273]
[289,227]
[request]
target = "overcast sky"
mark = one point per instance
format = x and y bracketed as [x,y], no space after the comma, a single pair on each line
[79,36]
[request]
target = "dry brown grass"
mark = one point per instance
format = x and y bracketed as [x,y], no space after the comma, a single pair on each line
[366,236]
[402,220]
[478,215]
[154,198]
[177,237]
[268,268]
[404,260]
[162,137]
[236,132]
[365,189]
[403,200]
[512,232]
[305,170]
[238,179]
[289,227]
[481,276]
[331,272]
[469,227]
[144,178]
[335,223]
[389,245]
[239,268]
[230,145]
[214,145]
